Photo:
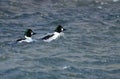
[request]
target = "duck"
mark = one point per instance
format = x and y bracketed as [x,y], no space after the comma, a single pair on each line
[27,36]
[55,35]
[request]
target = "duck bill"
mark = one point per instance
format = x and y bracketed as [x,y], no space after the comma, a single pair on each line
[64,29]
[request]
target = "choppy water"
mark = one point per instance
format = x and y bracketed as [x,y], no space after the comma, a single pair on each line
[90,49]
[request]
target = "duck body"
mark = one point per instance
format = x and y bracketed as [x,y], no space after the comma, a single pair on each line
[28,37]
[51,37]
[55,35]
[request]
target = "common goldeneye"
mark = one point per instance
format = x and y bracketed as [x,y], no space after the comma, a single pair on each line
[56,34]
[28,36]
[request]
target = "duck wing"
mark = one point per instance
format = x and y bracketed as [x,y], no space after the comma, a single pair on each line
[20,39]
[47,37]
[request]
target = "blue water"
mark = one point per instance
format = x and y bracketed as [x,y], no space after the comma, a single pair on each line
[89,50]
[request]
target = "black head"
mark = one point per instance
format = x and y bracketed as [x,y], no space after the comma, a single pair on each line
[59,29]
[29,33]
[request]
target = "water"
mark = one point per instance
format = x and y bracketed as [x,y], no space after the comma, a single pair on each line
[89,50]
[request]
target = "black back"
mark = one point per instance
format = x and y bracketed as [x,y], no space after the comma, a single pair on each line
[20,39]
[47,37]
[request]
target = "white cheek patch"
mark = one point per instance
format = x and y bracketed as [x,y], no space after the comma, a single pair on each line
[31,33]
[62,29]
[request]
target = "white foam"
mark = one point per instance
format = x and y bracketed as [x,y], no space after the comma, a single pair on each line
[65,67]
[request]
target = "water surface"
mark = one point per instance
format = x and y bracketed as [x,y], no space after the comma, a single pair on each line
[89,50]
